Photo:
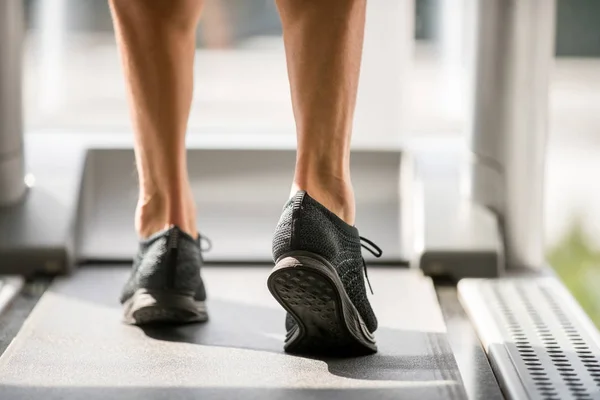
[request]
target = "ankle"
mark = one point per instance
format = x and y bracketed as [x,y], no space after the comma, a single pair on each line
[160,211]
[336,195]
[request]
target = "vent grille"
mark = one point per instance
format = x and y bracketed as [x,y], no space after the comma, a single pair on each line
[554,355]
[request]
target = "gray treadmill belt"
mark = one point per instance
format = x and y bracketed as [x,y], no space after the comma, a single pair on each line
[74,346]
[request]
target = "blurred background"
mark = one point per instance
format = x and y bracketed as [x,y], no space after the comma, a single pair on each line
[412,84]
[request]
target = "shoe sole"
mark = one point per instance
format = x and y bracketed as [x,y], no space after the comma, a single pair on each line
[147,307]
[327,322]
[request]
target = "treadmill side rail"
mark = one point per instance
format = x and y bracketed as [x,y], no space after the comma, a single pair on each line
[540,343]
[10,286]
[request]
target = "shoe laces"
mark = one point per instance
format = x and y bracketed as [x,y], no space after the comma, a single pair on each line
[206,241]
[373,249]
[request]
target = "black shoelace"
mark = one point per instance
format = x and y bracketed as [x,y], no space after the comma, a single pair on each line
[205,240]
[373,249]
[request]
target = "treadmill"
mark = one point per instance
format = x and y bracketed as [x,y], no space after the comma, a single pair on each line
[468,306]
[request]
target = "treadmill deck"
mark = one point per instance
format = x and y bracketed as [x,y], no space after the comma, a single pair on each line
[85,351]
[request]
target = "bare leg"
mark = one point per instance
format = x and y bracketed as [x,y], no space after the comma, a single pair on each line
[323,41]
[157,44]
[216,27]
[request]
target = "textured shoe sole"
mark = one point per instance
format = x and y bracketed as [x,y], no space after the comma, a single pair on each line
[309,288]
[147,307]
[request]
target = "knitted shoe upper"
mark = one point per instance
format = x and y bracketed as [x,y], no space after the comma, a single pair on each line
[307,225]
[169,260]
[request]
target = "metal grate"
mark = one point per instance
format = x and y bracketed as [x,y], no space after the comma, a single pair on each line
[540,343]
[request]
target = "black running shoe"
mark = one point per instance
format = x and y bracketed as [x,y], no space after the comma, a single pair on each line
[165,285]
[318,278]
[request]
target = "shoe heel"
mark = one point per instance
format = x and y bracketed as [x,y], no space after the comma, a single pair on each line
[155,307]
[309,288]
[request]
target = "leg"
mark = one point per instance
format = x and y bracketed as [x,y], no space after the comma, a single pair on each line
[157,42]
[316,248]
[156,39]
[323,41]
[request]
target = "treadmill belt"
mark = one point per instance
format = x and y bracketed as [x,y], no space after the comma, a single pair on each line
[74,346]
